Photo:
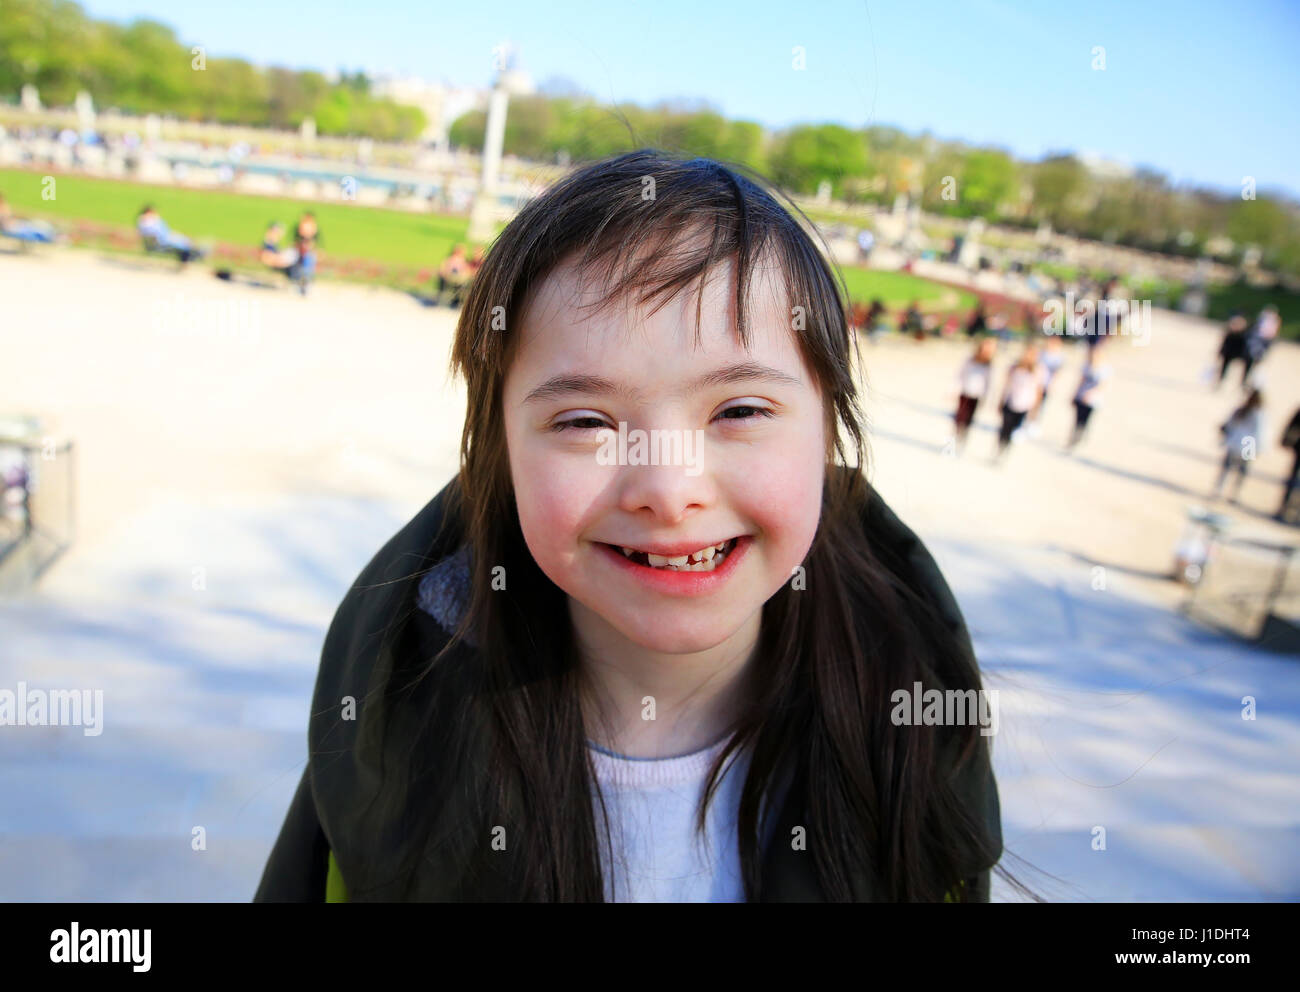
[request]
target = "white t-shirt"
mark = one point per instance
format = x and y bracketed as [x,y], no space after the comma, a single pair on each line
[974,378]
[652,804]
[1022,387]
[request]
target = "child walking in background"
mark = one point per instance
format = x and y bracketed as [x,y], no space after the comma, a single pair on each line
[973,385]
[1233,346]
[1088,395]
[508,643]
[1242,435]
[1051,358]
[1023,390]
[1258,339]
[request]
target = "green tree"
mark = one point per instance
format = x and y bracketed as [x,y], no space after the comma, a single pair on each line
[988,180]
[809,154]
[1057,182]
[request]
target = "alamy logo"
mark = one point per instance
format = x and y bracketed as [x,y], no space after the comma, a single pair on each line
[77,946]
[945,708]
[655,447]
[1098,317]
[53,708]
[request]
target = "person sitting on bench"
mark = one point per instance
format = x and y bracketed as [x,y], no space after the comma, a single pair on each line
[454,274]
[275,257]
[160,238]
[27,231]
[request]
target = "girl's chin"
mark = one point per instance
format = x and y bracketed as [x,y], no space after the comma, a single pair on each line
[667,629]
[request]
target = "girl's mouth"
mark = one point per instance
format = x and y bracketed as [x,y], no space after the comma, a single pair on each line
[703,560]
[701,572]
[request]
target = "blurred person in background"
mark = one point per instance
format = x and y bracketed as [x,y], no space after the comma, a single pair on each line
[1087,397]
[306,236]
[159,237]
[1262,334]
[1021,394]
[453,274]
[978,322]
[1290,439]
[1105,321]
[271,254]
[912,323]
[973,381]
[282,260]
[866,241]
[1233,347]
[1241,433]
[875,320]
[1052,357]
[23,230]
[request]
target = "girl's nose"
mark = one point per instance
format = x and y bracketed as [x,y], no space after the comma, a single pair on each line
[670,493]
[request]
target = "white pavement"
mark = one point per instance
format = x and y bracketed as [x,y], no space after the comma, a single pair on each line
[275,453]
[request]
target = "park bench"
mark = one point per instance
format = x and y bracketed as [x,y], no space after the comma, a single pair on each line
[153,246]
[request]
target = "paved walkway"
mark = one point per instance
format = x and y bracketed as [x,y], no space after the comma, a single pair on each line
[268,459]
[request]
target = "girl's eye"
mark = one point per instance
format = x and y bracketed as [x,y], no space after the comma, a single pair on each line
[761,411]
[566,424]
[596,423]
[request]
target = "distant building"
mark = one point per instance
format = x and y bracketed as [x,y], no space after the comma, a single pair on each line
[1105,168]
[442,102]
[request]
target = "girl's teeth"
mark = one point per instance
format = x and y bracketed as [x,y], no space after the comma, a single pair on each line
[704,560]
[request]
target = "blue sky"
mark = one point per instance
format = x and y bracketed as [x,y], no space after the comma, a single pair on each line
[1202,91]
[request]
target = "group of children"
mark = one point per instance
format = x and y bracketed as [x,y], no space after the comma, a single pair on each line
[1025,389]
[1243,436]
[1247,343]
[1028,380]
[1243,432]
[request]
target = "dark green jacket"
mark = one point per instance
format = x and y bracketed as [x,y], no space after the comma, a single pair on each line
[329,821]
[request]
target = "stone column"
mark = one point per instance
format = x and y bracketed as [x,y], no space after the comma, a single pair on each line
[482,218]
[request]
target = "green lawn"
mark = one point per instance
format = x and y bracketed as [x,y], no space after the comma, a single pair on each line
[898,289]
[347,231]
[375,234]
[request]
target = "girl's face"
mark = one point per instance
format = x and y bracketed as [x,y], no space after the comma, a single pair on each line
[741,454]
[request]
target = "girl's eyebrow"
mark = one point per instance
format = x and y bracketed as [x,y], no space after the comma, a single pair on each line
[567,383]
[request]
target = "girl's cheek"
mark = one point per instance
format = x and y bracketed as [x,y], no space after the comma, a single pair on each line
[553,495]
[786,500]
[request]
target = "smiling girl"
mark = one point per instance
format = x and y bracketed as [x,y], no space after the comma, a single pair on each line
[575,680]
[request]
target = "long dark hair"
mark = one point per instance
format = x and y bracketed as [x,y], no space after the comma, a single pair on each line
[1254,400]
[880,798]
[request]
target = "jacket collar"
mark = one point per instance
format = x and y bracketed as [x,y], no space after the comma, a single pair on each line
[423,573]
